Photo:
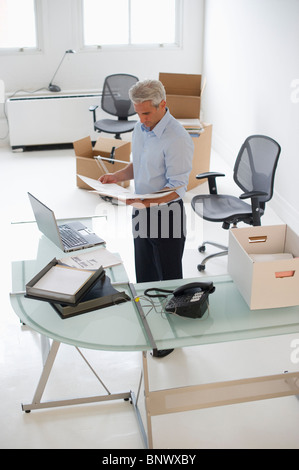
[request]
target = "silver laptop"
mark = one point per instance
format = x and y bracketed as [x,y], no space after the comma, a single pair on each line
[68,237]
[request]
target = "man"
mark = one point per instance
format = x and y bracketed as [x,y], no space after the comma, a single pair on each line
[162,152]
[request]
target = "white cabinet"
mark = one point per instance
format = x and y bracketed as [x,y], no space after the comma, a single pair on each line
[49,119]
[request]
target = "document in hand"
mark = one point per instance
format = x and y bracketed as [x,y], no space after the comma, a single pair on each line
[118,192]
[62,283]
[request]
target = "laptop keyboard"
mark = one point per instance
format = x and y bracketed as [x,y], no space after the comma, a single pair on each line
[70,237]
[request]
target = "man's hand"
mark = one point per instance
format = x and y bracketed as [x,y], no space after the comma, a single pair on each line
[119,176]
[144,203]
[108,178]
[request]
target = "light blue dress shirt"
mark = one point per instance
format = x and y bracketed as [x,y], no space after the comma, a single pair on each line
[161,157]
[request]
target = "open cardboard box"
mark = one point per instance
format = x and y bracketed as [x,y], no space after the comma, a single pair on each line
[183,94]
[201,156]
[115,150]
[267,281]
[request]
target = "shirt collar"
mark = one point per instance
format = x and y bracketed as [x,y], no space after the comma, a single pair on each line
[160,126]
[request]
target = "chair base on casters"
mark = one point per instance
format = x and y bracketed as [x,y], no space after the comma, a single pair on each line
[202,249]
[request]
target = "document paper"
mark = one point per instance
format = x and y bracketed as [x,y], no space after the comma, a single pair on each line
[92,260]
[118,192]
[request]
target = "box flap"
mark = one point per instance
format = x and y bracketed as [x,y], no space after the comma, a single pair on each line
[292,242]
[181,84]
[183,107]
[83,147]
[105,144]
[261,239]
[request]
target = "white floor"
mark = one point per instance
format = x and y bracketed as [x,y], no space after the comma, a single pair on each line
[50,175]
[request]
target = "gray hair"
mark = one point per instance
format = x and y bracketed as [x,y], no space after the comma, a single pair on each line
[148,90]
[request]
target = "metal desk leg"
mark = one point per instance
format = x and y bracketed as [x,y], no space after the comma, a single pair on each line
[49,353]
[139,420]
[196,397]
[146,396]
[48,364]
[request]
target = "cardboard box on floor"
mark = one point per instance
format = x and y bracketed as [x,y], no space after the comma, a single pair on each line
[183,97]
[267,282]
[88,165]
[201,156]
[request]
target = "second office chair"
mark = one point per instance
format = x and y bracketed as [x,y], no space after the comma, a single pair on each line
[254,173]
[116,101]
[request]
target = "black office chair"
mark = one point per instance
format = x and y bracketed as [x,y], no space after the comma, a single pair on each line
[254,173]
[116,101]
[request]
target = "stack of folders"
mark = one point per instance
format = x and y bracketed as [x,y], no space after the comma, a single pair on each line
[193,126]
[72,291]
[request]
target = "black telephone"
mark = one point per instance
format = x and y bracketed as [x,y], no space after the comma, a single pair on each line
[190,300]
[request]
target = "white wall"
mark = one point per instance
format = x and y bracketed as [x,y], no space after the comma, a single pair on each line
[87,70]
[251,51]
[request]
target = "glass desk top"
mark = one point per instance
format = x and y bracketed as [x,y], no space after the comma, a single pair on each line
[120,327]
[228,319]
[113,328]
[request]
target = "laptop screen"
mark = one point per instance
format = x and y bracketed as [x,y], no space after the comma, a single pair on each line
[45,220]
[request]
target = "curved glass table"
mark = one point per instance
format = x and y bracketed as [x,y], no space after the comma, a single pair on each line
[137,325]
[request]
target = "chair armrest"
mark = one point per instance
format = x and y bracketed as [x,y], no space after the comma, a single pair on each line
[211,176]
[208,174]
[255,206]
[252,194]
[93,109]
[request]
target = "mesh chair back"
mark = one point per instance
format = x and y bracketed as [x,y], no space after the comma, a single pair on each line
[256,165]
[115,98]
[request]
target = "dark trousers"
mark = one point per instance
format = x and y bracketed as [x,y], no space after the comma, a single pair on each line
[159,239]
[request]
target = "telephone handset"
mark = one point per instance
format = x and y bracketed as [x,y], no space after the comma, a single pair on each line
[190,300]
[203,286]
